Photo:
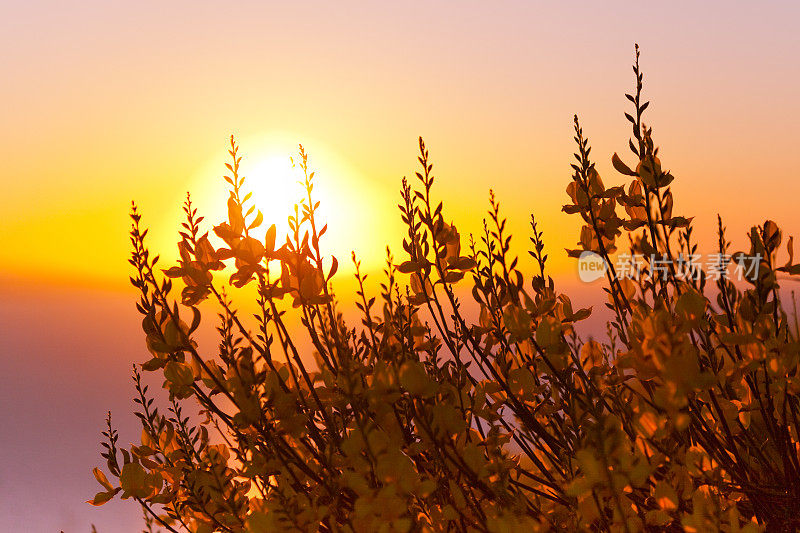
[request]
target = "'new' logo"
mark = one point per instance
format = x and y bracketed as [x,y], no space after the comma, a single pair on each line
[591,267]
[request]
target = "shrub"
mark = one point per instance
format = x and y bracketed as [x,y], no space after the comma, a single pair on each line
[684,417]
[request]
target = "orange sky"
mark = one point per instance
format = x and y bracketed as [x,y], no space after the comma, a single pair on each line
[106,104]
[102,104]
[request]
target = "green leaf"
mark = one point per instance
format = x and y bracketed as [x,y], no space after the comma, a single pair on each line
[174,272]
[101,478]
[269,240]
[415,380]
[548,333]
[102,497]
[334,267]
[691,306]
[257,222]
[517,321]
[408,267]
[463,264]
[133,479]
[179,373]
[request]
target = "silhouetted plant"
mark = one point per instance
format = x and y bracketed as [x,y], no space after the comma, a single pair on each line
[685,417]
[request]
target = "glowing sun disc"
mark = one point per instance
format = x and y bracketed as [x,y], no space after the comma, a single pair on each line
[350,205]
[276,187]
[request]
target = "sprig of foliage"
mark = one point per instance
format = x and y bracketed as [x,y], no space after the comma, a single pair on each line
[421,419]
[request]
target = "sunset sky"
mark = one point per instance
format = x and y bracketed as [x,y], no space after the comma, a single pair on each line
[104,103]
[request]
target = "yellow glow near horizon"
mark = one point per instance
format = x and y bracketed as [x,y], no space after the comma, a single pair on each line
[87,130]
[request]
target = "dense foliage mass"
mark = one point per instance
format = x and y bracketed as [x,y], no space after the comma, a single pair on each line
[683,418]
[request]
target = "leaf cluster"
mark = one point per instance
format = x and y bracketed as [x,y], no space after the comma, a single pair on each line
[683,418]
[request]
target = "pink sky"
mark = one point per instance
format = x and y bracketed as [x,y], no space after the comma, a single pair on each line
[107,103]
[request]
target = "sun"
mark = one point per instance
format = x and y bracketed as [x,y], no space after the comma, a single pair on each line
[274,182]
[277,186]
[349,204]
